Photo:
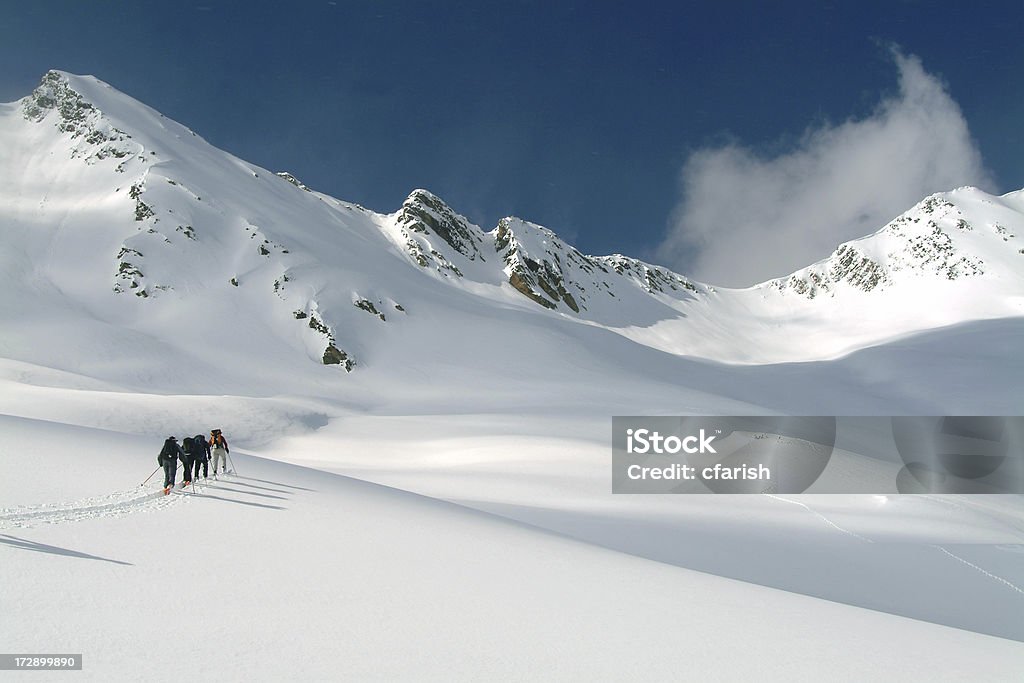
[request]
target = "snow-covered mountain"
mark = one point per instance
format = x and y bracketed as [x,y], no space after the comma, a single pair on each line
[147,236]
[151,284]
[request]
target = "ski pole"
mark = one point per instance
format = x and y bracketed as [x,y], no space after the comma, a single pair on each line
[233,470]
[150,476]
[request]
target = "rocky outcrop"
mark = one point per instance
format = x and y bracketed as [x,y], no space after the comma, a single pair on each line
[424,212]
[77,117]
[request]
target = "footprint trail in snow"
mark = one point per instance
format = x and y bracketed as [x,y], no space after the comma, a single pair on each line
[116,504]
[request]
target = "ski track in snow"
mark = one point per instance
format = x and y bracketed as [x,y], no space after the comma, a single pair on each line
[821,517]
[989,574]
[116,504]
[995,514]
[968,505]
[975,506]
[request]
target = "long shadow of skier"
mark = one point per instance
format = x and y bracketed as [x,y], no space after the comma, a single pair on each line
[240,502]
[221,487]
[34,546]
[275,483]
[261,488]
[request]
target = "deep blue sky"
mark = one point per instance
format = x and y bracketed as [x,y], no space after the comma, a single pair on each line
[576,116]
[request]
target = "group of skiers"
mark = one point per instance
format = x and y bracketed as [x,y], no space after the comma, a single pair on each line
[193,453]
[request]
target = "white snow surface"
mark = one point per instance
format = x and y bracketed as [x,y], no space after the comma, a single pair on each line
[443,511]
[284,572]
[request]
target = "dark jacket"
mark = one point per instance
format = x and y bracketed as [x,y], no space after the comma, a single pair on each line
[170,451]
[201,448]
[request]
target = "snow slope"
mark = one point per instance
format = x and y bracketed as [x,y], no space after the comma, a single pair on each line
[152,284]
[283,572]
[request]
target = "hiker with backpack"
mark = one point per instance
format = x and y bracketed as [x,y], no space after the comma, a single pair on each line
[220,450]
[168,459]
[187,457]
[200,455]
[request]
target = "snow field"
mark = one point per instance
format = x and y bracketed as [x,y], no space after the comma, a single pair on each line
[286,572]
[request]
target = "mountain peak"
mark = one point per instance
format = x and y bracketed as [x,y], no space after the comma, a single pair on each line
[423,196]
[59,98]
[947,236]
[425,213]
[86,107]
[551,272]
[54,93]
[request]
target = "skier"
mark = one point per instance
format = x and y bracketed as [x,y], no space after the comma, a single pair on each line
[186,461]
[220,450]
[200,455]
[168,459]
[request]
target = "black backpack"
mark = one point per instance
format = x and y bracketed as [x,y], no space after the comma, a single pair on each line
[189,447]
[168,452]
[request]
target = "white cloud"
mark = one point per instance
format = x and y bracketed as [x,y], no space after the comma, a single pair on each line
[743,219]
